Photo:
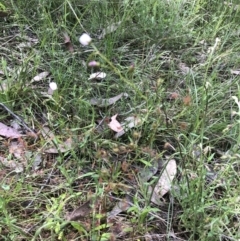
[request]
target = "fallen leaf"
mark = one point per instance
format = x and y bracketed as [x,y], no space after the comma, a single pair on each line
[107,102]
[115,125]
[9,132]
[131,122]
[97,75]
[119,228]
[12,165]
[40,76]
[68,43]
[149,171]
[15,125]
[17,148]
[37,160]
[113,27]
[165,181]
[128,123]
[121,206]
[236,72]
[80,212]
[25,45]
[63,147]
[184,68]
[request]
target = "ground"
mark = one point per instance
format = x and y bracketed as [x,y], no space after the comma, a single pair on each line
[128,133]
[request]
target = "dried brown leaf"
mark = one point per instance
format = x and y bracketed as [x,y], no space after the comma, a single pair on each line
[121,206]
[107,102]
[11,164]
[165,181]
[80,212]
[17,148]
[40,76]
[9,132]
[184,68]
[129,122]
[115,125]
[68,43]
[63,147]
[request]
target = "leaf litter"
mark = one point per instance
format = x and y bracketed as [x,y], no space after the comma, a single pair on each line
[68,43]
[164,183]
[121,206]
[114,124]
[235,72]
[97,75]
[9,132]
[129,122]
[61,148]
[13,165]
[40,76]
[80,212]
[106,102]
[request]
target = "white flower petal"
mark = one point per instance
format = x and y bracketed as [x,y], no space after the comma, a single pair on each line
[85,39]
[53,86]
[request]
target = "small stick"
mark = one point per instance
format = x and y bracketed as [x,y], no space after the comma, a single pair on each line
[18,118]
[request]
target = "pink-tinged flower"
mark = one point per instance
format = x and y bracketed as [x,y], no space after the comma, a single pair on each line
[93,64]
[85,39]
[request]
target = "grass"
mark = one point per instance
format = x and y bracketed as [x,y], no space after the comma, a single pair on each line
[181,88]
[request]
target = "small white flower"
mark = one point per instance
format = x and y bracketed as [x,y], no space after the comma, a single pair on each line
[97,75]
[52,88]
[85,39]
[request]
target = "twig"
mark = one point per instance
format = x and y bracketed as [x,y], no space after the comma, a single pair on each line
[22,122]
